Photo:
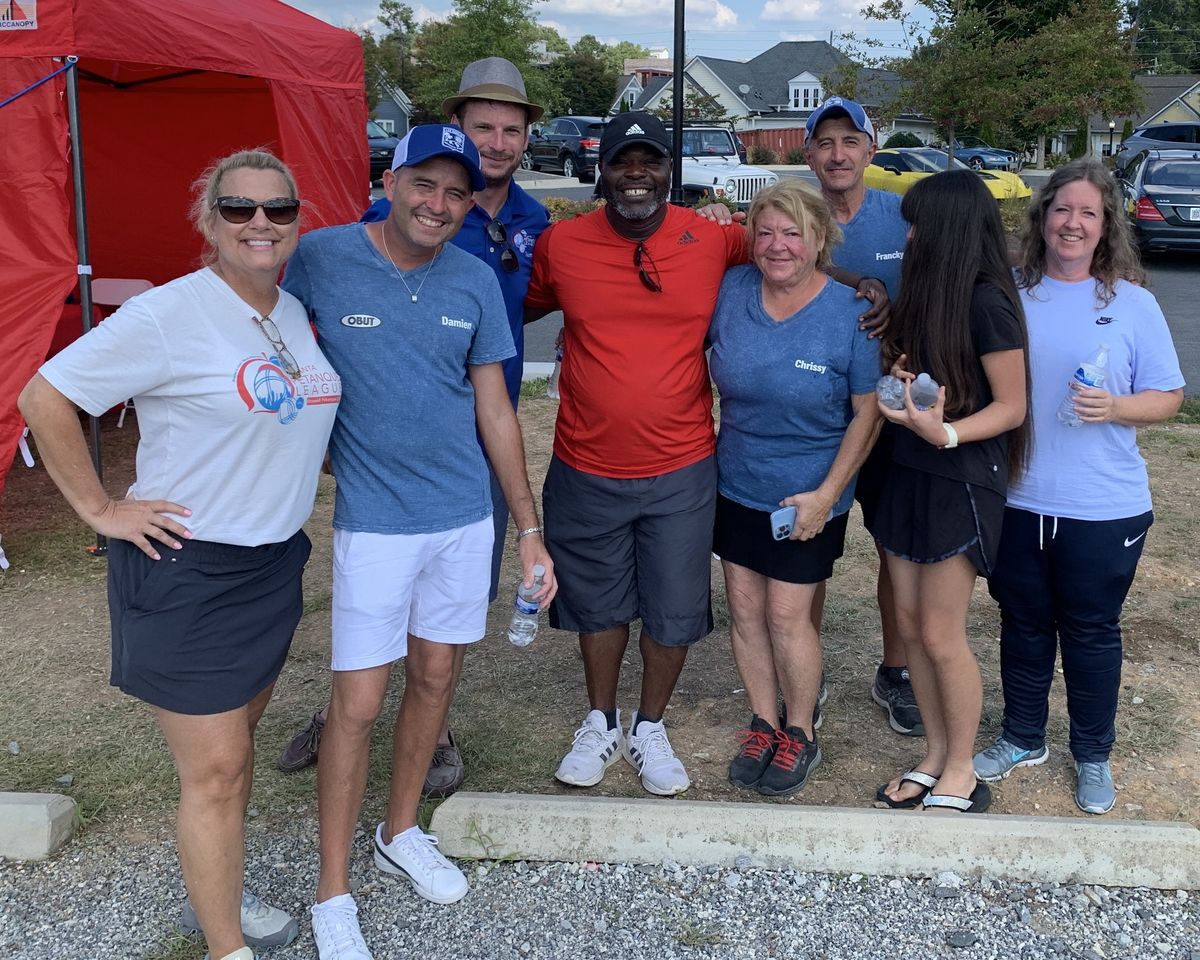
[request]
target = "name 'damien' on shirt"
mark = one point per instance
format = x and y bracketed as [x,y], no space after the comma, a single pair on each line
[461,324]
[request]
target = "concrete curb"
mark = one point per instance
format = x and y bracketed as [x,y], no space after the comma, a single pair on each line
[34,825]
[1118,853]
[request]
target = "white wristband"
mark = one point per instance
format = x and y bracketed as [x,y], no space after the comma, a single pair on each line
[951,437]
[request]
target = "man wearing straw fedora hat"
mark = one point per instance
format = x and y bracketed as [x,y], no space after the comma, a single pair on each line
[491,106]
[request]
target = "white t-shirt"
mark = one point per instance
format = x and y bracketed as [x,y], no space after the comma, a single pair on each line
[1094,471]
[224,431]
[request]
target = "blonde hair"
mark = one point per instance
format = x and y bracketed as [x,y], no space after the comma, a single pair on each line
[806,208]
[207,188]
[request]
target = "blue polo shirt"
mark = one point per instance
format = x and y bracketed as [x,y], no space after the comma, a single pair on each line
[524,220]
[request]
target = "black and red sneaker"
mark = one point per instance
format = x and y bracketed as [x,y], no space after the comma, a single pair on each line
[758,747]
[795,758]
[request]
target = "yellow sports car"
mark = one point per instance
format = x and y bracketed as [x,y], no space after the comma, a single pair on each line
[898,169]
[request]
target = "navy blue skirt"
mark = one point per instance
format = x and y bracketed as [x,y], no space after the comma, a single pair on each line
[207,628]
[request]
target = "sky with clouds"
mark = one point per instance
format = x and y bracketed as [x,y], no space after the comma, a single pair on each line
[733,29]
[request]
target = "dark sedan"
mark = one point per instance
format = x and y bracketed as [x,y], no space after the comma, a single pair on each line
[569,144]
[382,146]
[1162,198]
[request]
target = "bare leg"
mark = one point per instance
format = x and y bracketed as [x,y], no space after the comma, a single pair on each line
[342,773]
[430,669]
[751,640]
[661,667]
[602,653]
[796,649]
[214,755]
[893,643]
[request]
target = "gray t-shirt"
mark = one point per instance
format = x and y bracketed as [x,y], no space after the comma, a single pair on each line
[874,239]
[403,448]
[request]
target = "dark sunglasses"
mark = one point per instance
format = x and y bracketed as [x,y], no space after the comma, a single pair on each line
[498,233]
[279,210]
[650,280]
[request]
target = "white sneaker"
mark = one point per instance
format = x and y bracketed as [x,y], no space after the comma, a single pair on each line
[335,929]
[414,855]
[650,752]
[594,750]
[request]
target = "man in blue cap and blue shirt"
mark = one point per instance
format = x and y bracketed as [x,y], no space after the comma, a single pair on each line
[417,330]
[492,108]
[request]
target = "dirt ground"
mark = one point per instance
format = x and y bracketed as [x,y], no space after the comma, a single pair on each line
[517,708]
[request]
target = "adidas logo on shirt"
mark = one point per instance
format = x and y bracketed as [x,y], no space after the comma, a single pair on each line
[687,237]
[634,129]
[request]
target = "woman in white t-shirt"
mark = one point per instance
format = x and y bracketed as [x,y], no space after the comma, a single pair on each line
[235,404]
[1076,521]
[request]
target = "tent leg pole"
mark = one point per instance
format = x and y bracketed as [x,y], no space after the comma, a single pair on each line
[85,260]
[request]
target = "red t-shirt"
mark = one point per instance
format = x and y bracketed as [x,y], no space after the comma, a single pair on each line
[636,398]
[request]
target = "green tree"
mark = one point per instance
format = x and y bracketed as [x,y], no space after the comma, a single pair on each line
[1166,35]
[583,78]
[696,106]
[390,53]
[619,52]
[475,29]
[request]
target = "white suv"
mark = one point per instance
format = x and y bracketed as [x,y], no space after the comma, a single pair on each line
[712,167]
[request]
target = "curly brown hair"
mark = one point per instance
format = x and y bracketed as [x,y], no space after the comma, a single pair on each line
[1116,257]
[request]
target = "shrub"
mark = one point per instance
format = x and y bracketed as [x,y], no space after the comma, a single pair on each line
[561,208]
[796,157]
[1056,160]
[903,138]
[762,155]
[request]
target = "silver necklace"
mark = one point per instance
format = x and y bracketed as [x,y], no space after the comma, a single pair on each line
[424,277]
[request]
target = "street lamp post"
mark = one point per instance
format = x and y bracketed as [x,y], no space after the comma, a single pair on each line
[1111,127]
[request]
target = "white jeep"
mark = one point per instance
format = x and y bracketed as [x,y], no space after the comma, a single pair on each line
[713,168]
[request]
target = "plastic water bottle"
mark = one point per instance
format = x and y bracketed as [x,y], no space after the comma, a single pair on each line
[524,624]
[552,386]
[890,392]
[1090,373]
[924,391]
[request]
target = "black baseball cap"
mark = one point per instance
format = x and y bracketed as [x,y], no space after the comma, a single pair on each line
[627,129]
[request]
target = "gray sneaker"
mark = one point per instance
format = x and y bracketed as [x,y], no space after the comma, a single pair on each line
[446,771]
[1094,790]
[1003,757]
[262,924]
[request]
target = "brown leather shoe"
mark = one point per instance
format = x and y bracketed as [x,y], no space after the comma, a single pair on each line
[302,751]
[446,771]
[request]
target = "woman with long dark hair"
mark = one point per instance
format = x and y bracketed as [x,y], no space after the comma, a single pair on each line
[958,319]
[1076,522]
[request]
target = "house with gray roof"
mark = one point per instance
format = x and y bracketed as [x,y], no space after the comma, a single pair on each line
[777,89]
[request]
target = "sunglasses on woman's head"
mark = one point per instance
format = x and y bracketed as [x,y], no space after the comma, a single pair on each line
[279,210]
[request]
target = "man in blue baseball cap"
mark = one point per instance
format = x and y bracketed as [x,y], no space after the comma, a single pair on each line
[417,329]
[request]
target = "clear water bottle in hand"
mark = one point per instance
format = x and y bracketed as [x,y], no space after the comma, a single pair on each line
[1090,373]
[523,627]
[552,386]
[890,392]
[924,391]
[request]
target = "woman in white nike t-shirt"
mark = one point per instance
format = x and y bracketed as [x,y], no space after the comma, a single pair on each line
[235,404]
[1076,521]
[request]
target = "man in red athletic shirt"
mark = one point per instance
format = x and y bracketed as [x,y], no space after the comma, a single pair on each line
[629,496]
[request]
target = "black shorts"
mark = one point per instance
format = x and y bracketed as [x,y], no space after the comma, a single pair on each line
[742,535]
[926,519]
[625,549]
[873,476]
[207,628]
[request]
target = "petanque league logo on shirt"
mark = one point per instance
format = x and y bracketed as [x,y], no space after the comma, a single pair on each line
[523,243]
[453,139]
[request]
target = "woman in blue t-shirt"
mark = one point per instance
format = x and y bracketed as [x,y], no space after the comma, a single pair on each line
[796,377]
[958,318]
[1076,522]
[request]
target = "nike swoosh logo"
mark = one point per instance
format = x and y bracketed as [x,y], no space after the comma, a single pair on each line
[1130,543]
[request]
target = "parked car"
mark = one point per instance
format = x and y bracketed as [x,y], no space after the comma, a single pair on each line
[980,156]
[383,147]
[568,144]
[897,169]
[713,166]
[1155,136]
[1162,199]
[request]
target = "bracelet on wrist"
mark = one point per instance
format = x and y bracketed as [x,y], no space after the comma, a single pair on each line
[528,531]
[951,437]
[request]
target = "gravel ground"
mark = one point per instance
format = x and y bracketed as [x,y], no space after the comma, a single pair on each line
[107,897]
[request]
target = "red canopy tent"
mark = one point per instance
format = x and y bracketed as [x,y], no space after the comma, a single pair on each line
[164,89]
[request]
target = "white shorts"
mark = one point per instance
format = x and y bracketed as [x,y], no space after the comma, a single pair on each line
[386,586]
